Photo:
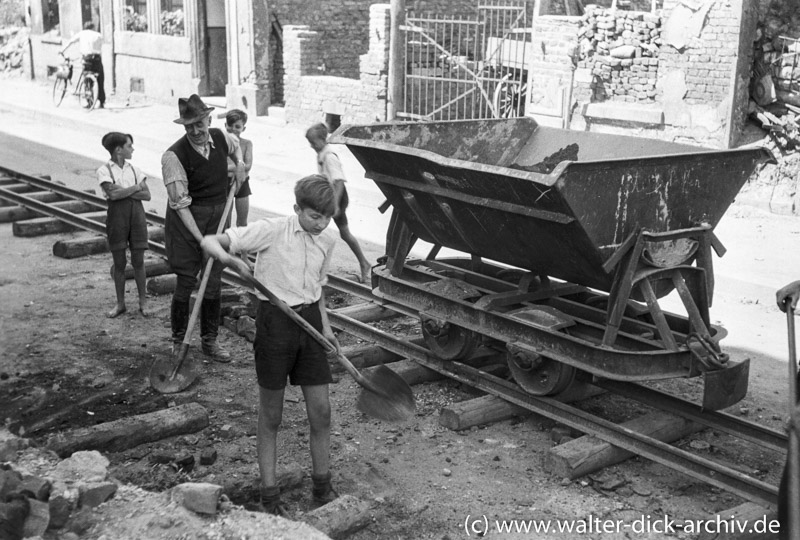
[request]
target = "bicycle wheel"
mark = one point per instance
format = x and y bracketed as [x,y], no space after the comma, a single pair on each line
[59,90]
[87,95]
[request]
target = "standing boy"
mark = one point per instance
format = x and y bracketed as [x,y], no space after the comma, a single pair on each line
[235,122]
[330,167]
[125,188]
[195,172]
[293,257]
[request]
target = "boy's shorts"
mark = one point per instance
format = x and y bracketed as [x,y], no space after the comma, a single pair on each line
[341,218]
[244,191]
[126,225]
[284,349]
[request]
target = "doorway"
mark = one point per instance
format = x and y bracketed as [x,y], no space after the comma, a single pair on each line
[216,48]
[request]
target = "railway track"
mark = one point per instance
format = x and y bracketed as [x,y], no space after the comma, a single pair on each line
[47,198]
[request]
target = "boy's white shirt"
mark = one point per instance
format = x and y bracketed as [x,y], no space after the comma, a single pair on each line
[329,165]
[292,263]
[127,176]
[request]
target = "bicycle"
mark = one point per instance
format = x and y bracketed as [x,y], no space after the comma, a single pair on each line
[85,88]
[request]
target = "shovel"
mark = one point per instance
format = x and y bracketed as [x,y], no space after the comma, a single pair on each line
[175,374]
[385,395]
[792,472]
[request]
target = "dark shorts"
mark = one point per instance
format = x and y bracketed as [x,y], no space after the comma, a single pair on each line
[126,225]
[283,349]
[244,191]
[341,218]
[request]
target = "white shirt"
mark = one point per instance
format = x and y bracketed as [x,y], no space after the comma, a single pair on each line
[89,42]
[328,164]
[292,263]
[124,177]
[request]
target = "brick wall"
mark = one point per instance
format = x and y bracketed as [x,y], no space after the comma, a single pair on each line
[341,26]
[621,50]
[309,96]
[696,92]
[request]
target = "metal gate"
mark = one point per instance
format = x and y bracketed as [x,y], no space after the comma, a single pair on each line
[468,68]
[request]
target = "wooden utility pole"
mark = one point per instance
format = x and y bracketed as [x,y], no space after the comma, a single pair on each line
[396,65]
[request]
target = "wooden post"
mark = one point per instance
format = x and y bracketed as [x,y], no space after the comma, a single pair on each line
[587,454]
[396,63]
[131,431]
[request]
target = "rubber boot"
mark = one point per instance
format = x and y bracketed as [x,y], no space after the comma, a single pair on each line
[209,327]
[179,320]
[322,491]
[271,501]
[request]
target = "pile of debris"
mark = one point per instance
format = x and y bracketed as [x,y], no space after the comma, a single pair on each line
[13,43]
[775,86]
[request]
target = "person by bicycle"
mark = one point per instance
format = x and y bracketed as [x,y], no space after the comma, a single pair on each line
[90,43]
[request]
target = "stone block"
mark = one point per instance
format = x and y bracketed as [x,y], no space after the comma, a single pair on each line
[60,510]
[198,497]
[85,465]
[37,520]
[94,494]
[208,456]
[161,285]
[251,98]
[10,444]
[246,327]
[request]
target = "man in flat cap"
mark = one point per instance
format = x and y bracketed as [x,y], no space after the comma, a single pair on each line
[195,172]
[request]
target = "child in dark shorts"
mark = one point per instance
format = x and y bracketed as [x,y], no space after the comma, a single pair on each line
[293,256]
[125,187]
[330,167]
[235,122]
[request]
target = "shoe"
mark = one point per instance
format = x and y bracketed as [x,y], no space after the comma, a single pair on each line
[101,106]
[322,492]
[271,502]
[217,353]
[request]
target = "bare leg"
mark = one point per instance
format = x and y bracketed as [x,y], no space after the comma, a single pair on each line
[350,240]
[120,262]
[242,210]
[318,408]
[139,275]
[269,420]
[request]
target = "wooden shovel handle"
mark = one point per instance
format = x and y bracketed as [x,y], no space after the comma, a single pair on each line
[313,332]
[187,337]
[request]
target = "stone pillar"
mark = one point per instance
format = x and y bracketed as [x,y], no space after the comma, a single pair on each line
[248,34]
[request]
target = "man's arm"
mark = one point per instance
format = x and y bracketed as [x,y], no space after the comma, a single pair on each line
[177,185]
[72,40]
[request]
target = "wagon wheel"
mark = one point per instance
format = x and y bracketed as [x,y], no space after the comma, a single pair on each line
[509,97]
[446,340]
[538,375]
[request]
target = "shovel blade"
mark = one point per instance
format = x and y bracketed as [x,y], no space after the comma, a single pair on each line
[169,376]
[393,403]
[724,387]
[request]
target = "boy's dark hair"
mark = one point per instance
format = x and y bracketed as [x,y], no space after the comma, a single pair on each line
[88,25]
[315,192]
[318,132]
[114,139]
[235,115]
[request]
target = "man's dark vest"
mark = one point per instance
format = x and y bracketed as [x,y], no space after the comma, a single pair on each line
[207,177]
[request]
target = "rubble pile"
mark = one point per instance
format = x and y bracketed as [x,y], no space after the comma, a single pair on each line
[621,48]
[775,85]
[13,43]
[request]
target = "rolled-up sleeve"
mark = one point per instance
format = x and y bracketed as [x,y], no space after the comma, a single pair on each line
[175,181]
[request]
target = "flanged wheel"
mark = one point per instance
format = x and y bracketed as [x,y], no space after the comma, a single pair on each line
[538,375]
[448,341]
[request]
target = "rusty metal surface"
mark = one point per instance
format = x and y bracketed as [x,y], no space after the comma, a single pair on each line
[552,201]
